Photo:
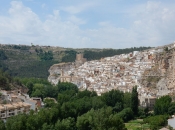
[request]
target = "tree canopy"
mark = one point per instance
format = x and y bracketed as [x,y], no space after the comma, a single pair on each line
[162,104]
[134,100]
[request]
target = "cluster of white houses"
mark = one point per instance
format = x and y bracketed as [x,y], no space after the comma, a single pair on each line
[120,72]
[15,102]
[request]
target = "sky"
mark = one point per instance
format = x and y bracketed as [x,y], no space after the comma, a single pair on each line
[88,23]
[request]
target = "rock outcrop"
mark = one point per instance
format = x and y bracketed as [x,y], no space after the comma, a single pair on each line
[57,70]
[162,87]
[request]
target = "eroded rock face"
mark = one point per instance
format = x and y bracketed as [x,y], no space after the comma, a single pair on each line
[57,70]
[162,87]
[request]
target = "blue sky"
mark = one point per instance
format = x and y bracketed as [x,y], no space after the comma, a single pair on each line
[88,23]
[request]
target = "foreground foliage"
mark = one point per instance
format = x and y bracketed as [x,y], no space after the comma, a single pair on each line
[156,122]
[82,110]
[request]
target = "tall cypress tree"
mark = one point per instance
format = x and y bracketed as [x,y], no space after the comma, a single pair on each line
[134,100]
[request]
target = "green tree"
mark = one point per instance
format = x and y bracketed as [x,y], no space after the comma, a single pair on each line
[115,123]
[32,122]
[127,99]
[62,98]
[101,119]
[69,56]
[126,114]
[49,103]
[156,122]
[143,112]
[66,86]
[134,100]
[171,109]
[46,126]
[2,125]
[3,82]
[83,105]
[16,122]
[2,55]
[97,103]
[68,109]
[86,93]
[65,124]
[45,56]
[30,87]
[112,97]
[162,104]
[39,90]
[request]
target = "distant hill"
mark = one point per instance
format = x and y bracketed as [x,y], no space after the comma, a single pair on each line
[34,61]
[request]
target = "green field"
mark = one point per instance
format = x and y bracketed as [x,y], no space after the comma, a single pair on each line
[137,125]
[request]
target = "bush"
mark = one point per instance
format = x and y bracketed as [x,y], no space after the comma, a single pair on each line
[126,114]
[156,122]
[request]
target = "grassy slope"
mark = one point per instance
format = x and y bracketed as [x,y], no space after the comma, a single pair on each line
[137,125]
[26,63]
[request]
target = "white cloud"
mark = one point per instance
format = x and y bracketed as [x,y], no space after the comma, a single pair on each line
[76,20]
[152,25]
[105,23]
[155,24]
[20,20]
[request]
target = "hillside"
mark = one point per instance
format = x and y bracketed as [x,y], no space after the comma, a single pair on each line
[35,61]
[24,61]
[9,83]
[151,70]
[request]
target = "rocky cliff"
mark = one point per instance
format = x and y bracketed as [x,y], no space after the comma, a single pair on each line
[57,70]
[160,79]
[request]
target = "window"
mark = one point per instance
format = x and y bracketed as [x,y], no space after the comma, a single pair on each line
[11,114]
[2,115]
[11,110]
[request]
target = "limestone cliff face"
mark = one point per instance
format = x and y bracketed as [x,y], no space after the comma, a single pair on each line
[160,79]
[162,87]
[60,72]
[57,70]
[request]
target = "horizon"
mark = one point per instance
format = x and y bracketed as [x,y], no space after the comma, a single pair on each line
[88,24]
[75,48]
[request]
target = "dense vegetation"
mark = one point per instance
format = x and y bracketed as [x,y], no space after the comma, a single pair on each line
[2,55]
[27,61]
[156,122]
[164,105]
[8,83]
[95,55]
[34,69]
[91,55]
[84,110]
[70,56]
[20,47]
[43,55]
[76,110]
